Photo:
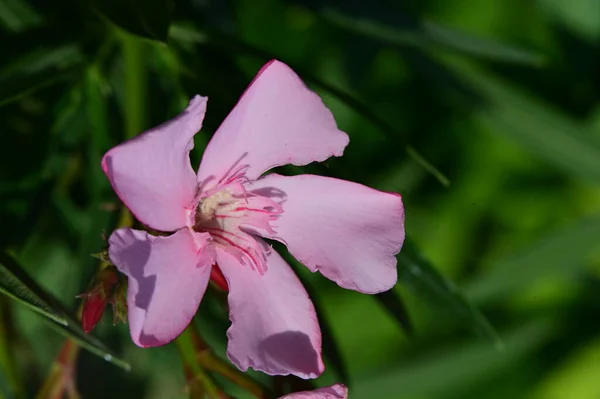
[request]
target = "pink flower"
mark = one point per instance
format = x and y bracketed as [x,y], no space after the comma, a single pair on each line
[349,232]
[337,391]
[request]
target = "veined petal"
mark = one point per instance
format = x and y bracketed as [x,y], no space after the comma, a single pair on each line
[167,279]
[349,232]
[274,327]
[152,173]
[337,391]
[277,121]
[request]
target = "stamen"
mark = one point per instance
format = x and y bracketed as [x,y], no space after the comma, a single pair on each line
[223,213]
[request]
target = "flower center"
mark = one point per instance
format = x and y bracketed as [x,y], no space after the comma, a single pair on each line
[232,216]
[213,207]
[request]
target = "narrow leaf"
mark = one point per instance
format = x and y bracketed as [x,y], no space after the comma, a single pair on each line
[394,28]
[428,166]
[448,372]
[538,127]
[420,276]
[392,302]
[18,285]
[15,283]
[90,343]
[36,70]
[17,15]
[149,19]
[479,46]
[547,257]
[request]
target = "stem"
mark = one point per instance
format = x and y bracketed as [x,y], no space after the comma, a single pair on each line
[210,361]
[186,351]
[60,379]
[135,84]
[135,96]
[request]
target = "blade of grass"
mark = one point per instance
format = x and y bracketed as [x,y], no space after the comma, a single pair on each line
[420,276]
[15,283]
[538,127]
[391,26]
[392,302]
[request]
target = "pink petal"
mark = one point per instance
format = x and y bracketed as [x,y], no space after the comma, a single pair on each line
[274,326]
[337,391]
[277,121]
[152,173]
[347,231]
[167,279]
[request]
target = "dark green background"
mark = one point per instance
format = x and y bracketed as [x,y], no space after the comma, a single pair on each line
[484,115]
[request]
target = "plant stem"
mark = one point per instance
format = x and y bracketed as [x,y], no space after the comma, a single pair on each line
[60,379]
[135,84]
[210,361]
[187,352]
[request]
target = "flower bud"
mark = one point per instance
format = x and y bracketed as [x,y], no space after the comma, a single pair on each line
[107,287]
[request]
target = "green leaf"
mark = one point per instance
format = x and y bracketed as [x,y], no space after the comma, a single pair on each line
[580,16]
[428,166]
[561,252]
[16,15]
[73,331]
[422,278]
[447,372]
[388,28]
[18,285]
[15,283]
[392,302]
[149,19]
[542,130]
[36,70]
[479,46]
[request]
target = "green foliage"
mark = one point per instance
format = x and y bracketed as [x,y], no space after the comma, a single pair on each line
[483,115]
[36,70]
[427,35]
[150,19]
[15,283]
[419,275]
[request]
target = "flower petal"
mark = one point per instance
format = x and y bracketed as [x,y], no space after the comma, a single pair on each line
[337,391]
[277,121]
[347,231]
[167,279]
[152,173]
[274,327]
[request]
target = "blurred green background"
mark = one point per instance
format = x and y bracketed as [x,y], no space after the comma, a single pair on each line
[484,115]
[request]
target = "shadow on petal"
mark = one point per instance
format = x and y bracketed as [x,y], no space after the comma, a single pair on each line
[136,258]
[149,340]
[273,193]
[166,281]
[293,351]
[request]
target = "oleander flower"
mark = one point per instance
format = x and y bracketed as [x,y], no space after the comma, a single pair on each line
[217,216]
